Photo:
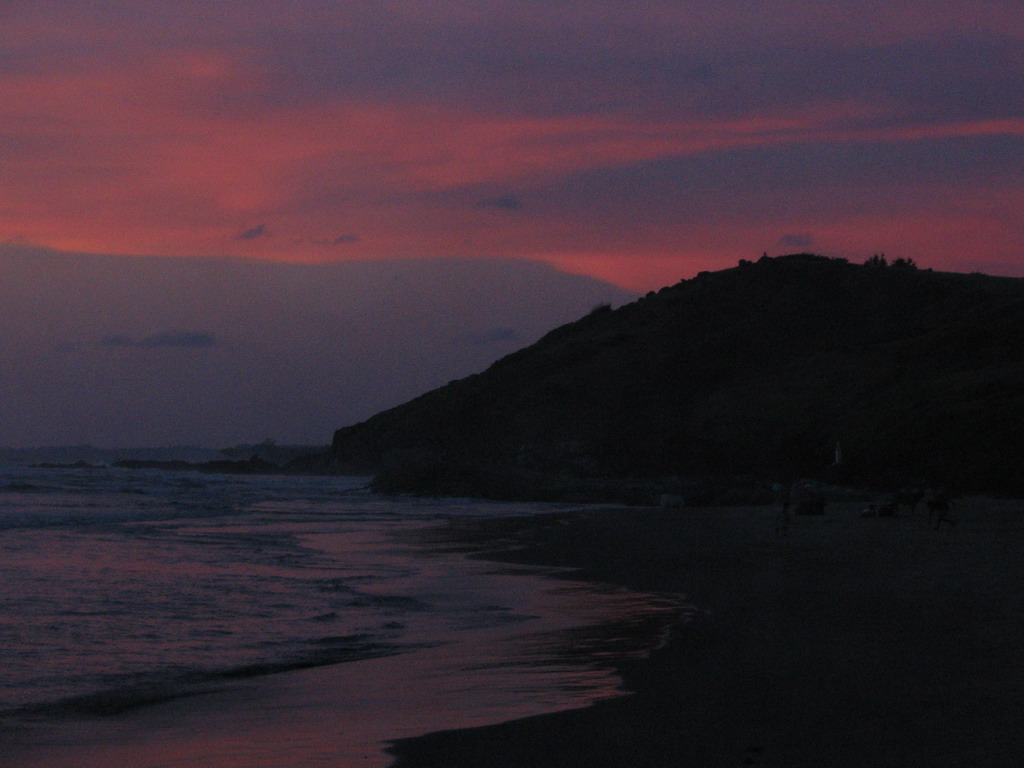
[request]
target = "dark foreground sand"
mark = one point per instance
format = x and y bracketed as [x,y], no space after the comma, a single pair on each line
[850,641]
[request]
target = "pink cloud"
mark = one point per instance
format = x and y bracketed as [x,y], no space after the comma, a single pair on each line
[174,133]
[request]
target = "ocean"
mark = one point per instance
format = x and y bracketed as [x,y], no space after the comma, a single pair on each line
[139,607]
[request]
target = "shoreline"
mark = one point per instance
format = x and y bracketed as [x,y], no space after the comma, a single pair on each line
[849,641]
[511,643]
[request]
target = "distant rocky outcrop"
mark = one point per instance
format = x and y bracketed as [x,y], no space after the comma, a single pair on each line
[80,464]
[252,466]
[271,452]
[758,371]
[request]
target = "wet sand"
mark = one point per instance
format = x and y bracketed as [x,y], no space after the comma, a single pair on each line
[848,641]
[523,650]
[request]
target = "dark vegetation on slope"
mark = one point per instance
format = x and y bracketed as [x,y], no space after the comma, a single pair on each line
[755,371]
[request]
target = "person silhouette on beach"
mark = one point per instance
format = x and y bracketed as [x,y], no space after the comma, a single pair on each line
[938,510]
[785,496]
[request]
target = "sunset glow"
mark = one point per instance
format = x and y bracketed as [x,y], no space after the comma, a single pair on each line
[639,144]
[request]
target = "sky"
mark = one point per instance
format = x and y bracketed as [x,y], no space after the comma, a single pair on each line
[635,143]
[217,352]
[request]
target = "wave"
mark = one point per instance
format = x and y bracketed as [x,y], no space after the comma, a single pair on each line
[17,487]
[143,690]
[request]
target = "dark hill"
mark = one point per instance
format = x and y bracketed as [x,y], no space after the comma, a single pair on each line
[756,371]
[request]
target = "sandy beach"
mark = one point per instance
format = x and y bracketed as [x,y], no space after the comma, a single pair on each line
[848,641]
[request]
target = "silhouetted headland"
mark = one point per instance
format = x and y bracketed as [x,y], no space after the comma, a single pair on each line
[798,366]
